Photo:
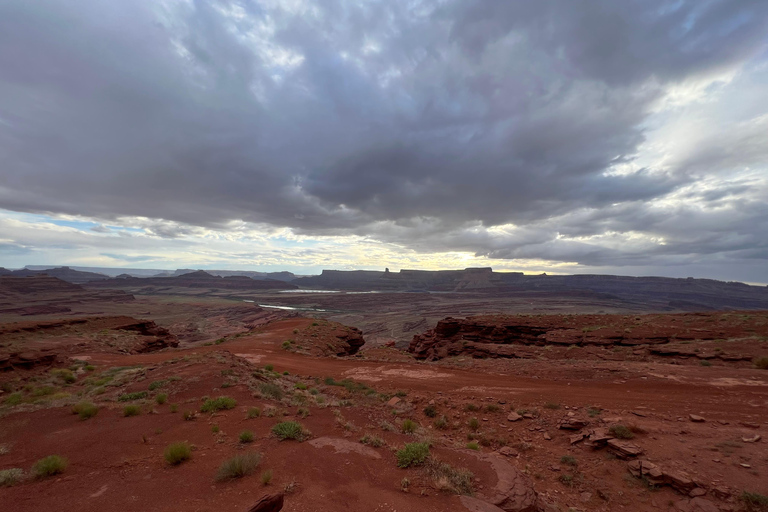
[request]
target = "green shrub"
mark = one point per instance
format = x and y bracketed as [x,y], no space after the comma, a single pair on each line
[254,412]
[215,429]
[621,432]
[371,440]
[409,426]
[246,436]
[174,408]
[301,385]
[13,399]
[9,477]
[189,415]
[753,501]
[131,410]
[492,408]
[430,411]
[472,445]
[218,404]
[269,367]
[238,466]
[156,384]
[761,363]
[705,363]
[474,423]
[449,479]
[64,375]
[85,410]
[552,405]
[594,411]
[271,390]
[412,454]
[176,453]
[471,408]
[290,430]
[441,423]
[128,397]
[49,466]
[43,391]
[569,460]
[329,381]
[161,398]
[266,477]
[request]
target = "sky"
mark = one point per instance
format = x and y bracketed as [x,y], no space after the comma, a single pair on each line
[564,136]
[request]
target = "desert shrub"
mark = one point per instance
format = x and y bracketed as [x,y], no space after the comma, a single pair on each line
[471,408]
[552,405]
[128,397]
[371,440]
[290,430]
[492,408]
[156,384]
[161,398]
[246,436]
[449,479]
[441,423]
[473,423]
[266,477]
[409,426]
[9,477]
[301,386]
[705,363]
[430,411]
[594,411]
[569,460]
[13,399]
[271,390]
[43,391]
[85,410]
[254,412]
[176,453]
[302,412]
[238,466]
[64,375]
[218,404]
[174,408]
[131,410]
[49,466]
[269,367]
[621,432]
[753,501]
[472,445]
[215,429]
[566,480]
[412,454]
[761,363]
[189,415]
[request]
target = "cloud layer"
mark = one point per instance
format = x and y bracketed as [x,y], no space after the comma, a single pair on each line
[599,134]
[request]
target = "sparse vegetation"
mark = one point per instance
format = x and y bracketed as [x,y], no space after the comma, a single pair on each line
[593,411]
[552,405]
[441,423]
[131,410]
[215,429]
[269,367]
[430,411]
[472,445]
[246,436]
[85,410]
[570,460]
[412,454]
[621,432]
[64,375]
[271,390]
[449,479]
[129,397]
[156,384]
[492,408]
[253,412]
[238,466]
[218,404]
[372,440]
[761,363]
[473,423]
[176,453]
[189,415]
[49,466]
[13,399]
[161,398]
[471,408]
[409,426]
[290,430]
[754,502]
[266,477]
[9,477]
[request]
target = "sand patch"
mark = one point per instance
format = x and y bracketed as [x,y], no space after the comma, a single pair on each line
[344,446]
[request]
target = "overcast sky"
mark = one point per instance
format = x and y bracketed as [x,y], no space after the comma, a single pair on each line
[572,136]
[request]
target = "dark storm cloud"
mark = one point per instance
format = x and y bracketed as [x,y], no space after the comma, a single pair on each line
[420,123]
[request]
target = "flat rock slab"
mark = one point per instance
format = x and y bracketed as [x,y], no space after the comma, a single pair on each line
[345,446]
[268,503]
[514,491]
[476,505]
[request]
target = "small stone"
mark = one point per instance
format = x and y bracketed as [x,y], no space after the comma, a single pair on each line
[513,416]
[750,425]
[547,436]
[752,439]
[393,401]
[698,491]
[745,465]
[695,418]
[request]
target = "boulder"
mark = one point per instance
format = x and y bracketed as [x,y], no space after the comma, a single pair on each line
[572,423]
[268,503]
[695,418]
[624,449]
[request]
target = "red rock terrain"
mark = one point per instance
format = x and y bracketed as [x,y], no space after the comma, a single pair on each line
[632,433]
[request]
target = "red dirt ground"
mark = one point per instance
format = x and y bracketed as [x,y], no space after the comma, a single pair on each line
[116,463]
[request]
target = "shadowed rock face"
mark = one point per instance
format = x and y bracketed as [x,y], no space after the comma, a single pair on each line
[524,336]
